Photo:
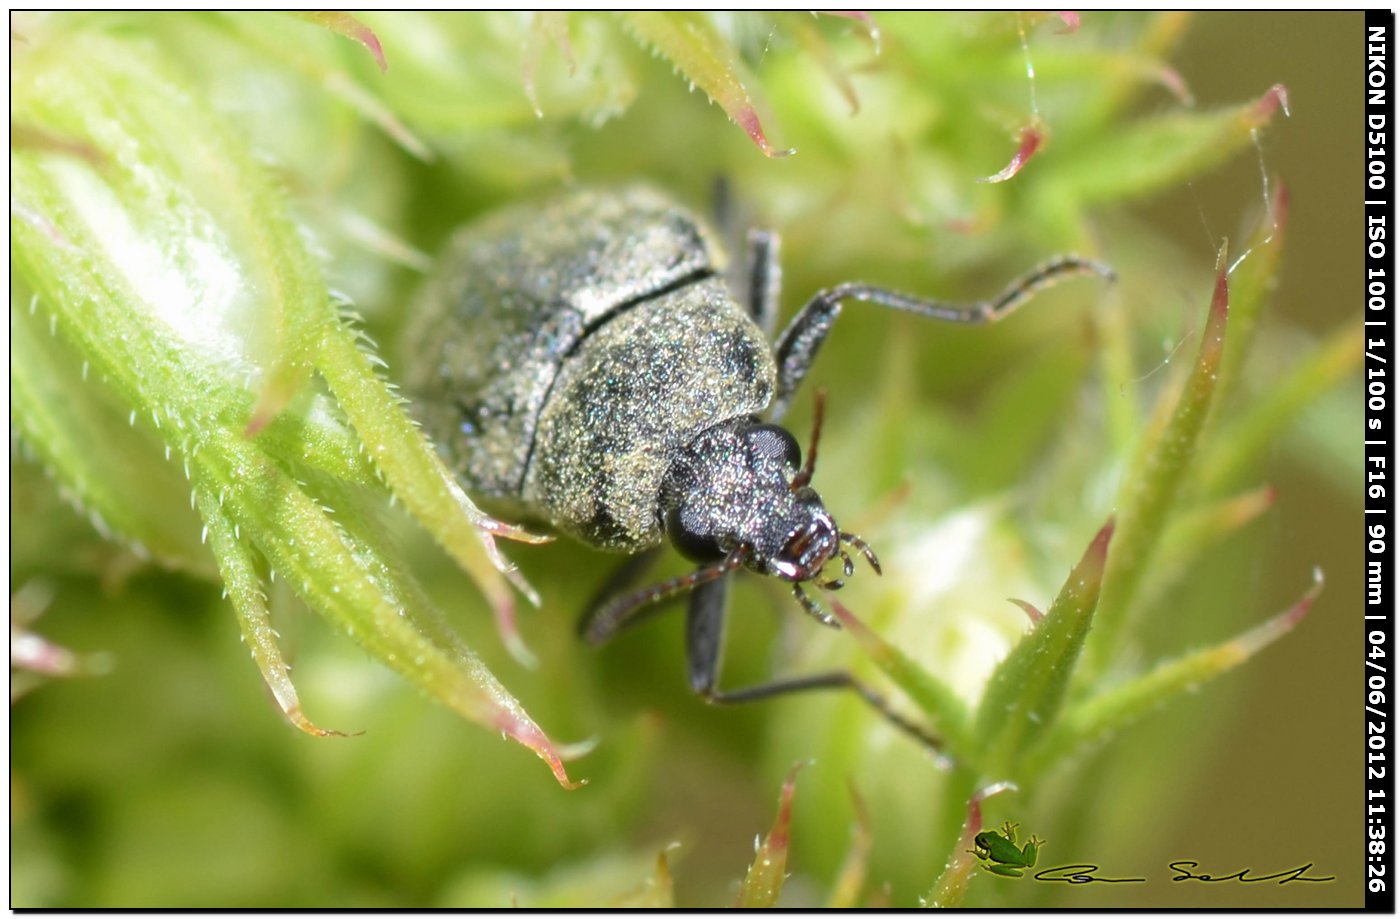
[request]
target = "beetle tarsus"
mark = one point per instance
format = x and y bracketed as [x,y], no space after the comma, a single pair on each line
[813,608]
[864,548]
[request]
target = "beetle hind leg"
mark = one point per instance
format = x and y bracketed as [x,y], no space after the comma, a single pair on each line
[763,279]
[755,280]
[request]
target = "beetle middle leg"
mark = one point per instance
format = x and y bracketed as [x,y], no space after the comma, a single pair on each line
[704,634]
[800,341]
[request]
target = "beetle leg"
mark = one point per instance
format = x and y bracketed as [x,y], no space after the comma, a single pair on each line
[812,608]
[724,211]
[623,577]
[804,475]
[603,622]
[864,548]
[763,279]
[800,341]
[755,280]
[705,636]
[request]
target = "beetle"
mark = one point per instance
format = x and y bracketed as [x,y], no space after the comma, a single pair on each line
[582,363]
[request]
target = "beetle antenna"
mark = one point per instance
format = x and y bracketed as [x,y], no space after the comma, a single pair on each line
[626,609]
[813,608]
[864,548]
[1042,276]
[804,476]
[847,566]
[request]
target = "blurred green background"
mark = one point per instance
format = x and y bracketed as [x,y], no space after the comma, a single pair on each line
[171,780]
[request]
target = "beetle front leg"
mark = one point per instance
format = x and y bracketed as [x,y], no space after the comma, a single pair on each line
[803,338]
[704,641]
[624,576]
[604,621]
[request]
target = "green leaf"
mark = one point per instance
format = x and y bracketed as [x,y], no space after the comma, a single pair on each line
[940,704]
[764,881]
[109,469]
[1026,690]
[950,888]
[340,572]
[546,27]
[850,880]
[1147,499]
[416,474]
[171,267]
[1113,330]
[1194,532]
[702,56]
[1333,361]
[656,892]
[1158,152]
[1096,720]
[288,47]
[351,28]
[244,589]
[1253,277]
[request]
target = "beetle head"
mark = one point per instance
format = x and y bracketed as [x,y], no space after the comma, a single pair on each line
[741,484]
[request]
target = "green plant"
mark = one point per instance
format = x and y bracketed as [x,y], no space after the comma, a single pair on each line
[182,369]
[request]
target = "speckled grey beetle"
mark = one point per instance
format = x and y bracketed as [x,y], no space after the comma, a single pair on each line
[582,363]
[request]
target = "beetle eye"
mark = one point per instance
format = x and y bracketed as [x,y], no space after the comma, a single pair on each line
[775,442]
[692,542]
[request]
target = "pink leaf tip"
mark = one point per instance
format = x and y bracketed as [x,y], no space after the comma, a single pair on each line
[1031,137]
[521,729]
[1219,306]
[747,119]
[778,836]
[1274,99]
[1030,609]
[1172,79]
[871,29]
[1098,549]
[350,27]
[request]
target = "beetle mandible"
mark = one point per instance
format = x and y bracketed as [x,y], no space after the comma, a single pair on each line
[581,363]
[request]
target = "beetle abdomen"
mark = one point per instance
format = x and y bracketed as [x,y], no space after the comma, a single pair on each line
[637,390]
[514,294]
